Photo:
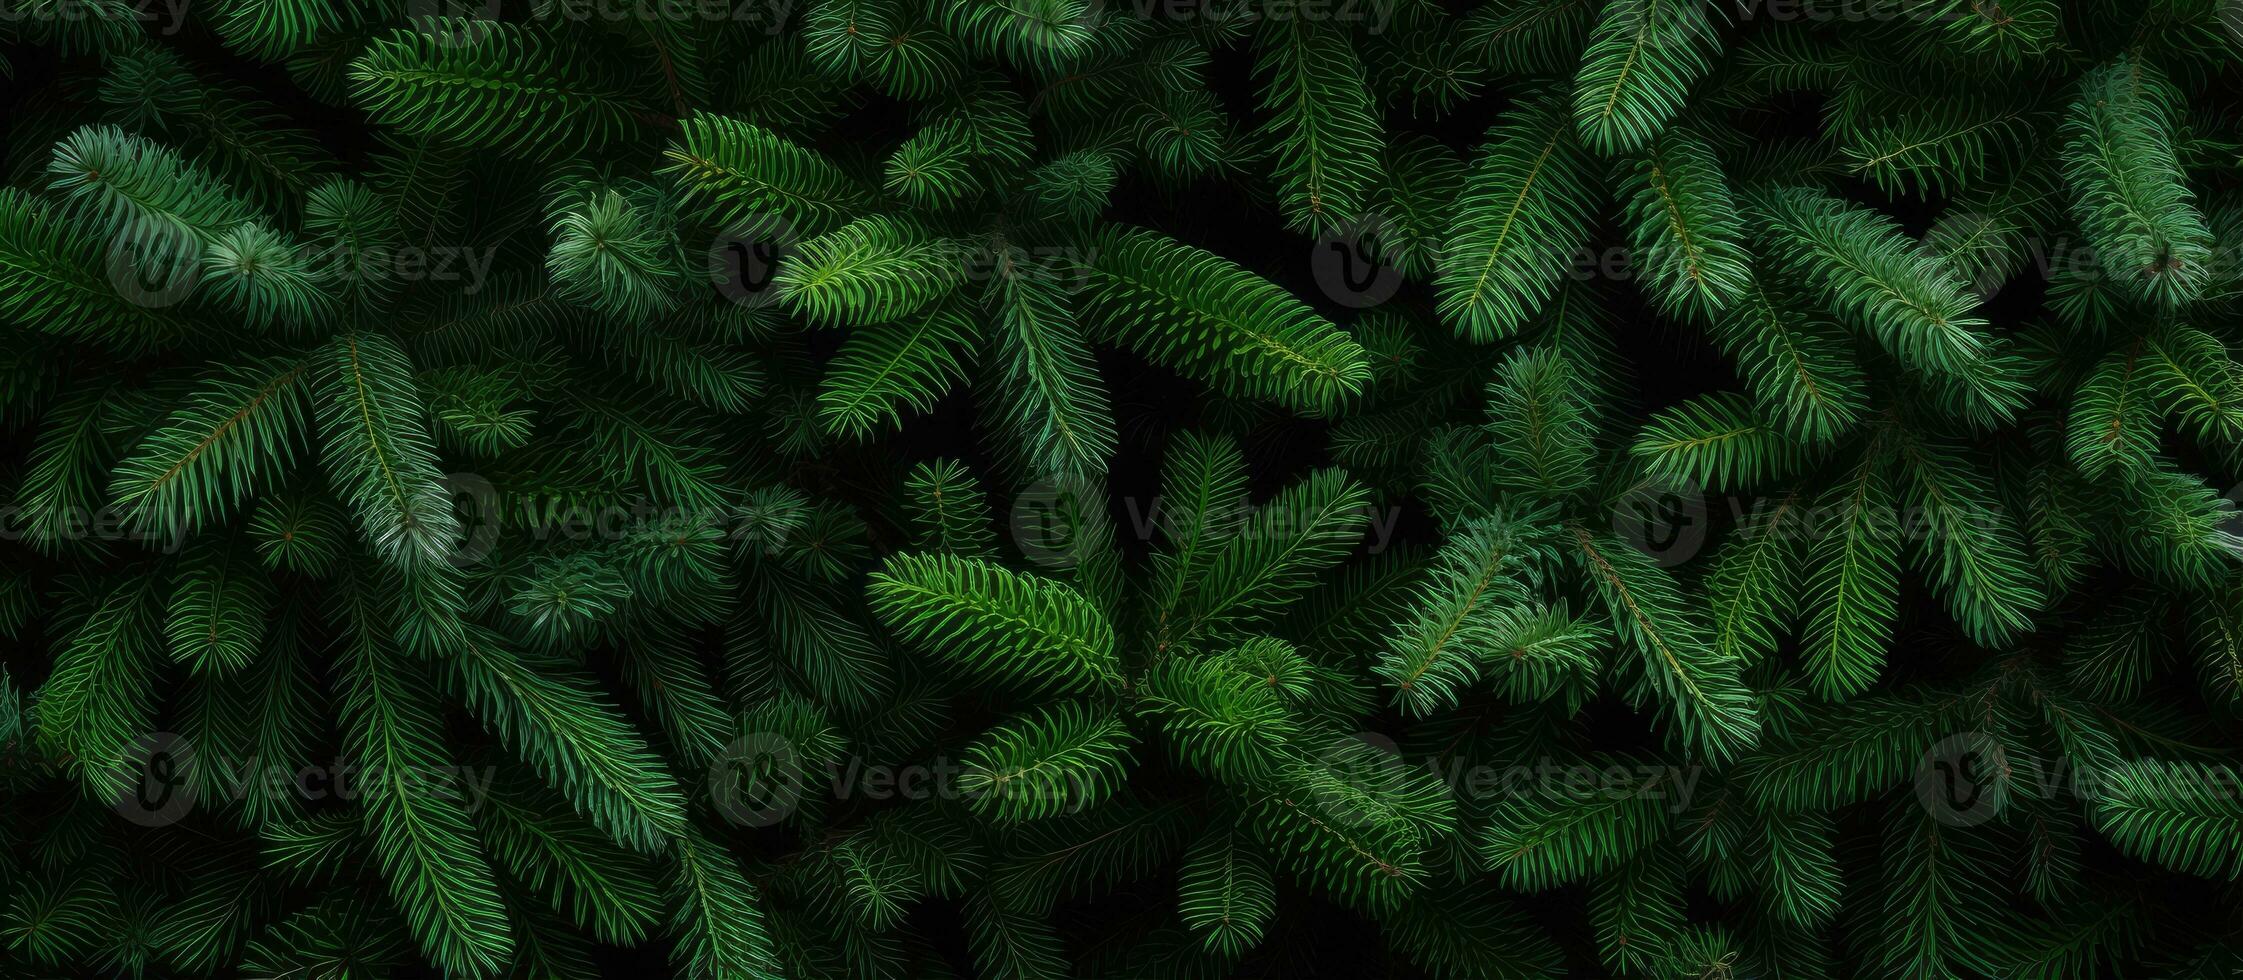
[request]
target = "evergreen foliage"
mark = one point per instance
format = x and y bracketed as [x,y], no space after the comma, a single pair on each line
[927,488]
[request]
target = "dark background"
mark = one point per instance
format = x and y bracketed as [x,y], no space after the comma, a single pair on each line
[1311,937]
